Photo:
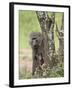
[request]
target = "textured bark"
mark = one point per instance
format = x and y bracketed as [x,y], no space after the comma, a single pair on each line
[43,20]
[51,39]
[47,25]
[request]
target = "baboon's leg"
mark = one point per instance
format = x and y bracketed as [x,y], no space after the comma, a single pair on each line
[34,65]
[33,68]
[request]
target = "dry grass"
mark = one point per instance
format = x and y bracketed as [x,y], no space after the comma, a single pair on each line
[25,67]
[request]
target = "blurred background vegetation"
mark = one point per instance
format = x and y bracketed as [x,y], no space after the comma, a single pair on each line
[28,23]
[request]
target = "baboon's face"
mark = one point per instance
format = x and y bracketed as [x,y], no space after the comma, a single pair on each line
[35,42]
[35,39]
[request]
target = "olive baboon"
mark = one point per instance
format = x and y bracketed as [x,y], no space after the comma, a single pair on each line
[36,42]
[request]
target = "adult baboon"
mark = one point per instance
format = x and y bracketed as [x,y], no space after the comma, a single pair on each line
[36,42]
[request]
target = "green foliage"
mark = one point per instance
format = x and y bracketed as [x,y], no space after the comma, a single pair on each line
[55,71]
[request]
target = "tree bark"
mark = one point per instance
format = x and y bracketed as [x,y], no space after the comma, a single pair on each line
[47,25]
[43,19]
[51,39]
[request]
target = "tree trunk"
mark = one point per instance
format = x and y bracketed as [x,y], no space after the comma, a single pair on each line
[51,40]
[47,25]
[43,19]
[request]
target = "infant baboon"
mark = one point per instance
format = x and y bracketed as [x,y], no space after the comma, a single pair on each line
[36,42]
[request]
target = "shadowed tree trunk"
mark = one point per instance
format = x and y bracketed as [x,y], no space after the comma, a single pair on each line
[43,20]
[47,27]
[51,40]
